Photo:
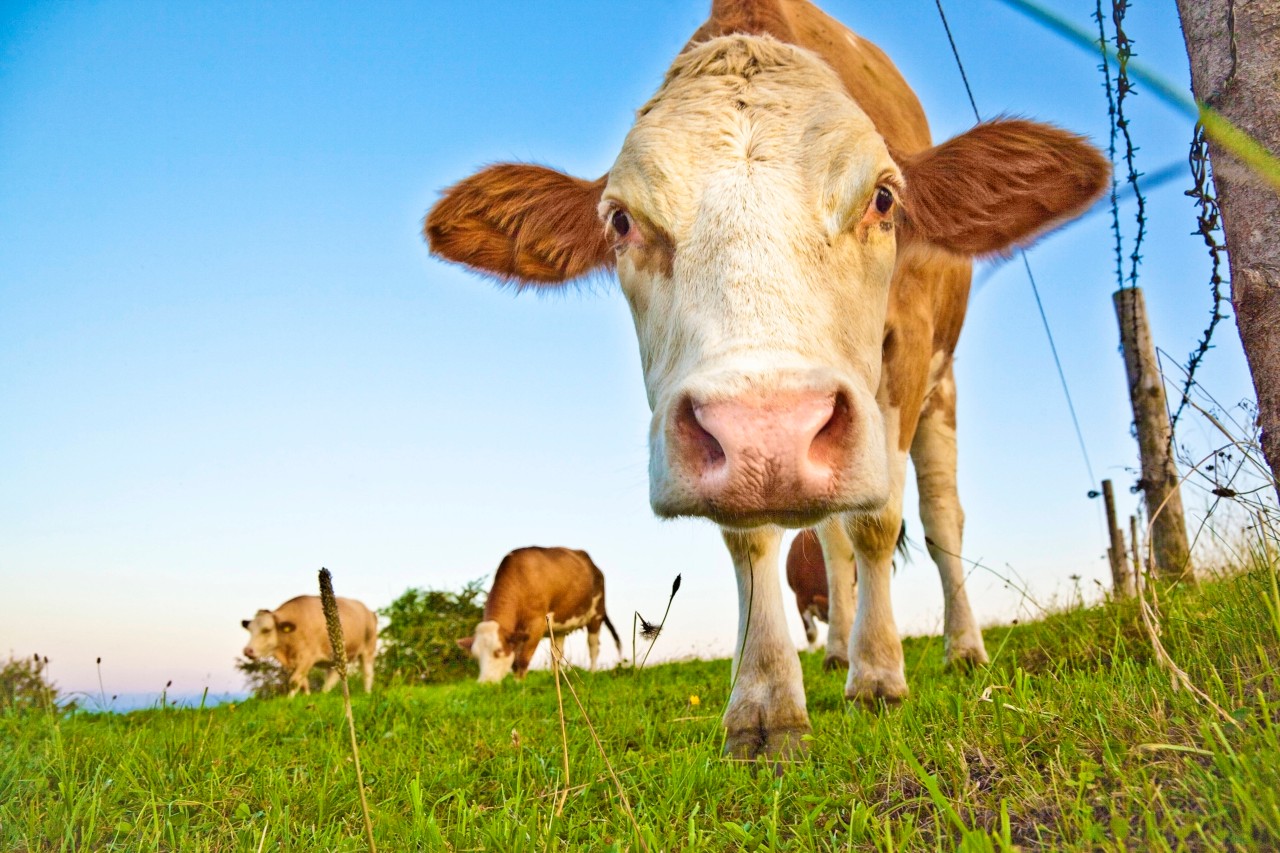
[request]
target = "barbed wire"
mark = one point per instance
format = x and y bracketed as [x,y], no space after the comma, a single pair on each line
[1208,225]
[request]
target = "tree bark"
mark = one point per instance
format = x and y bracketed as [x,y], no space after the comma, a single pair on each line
[1234,48]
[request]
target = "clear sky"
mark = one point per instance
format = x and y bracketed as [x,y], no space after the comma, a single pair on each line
[226,358]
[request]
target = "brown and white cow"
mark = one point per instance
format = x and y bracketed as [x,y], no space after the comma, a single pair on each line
[530,584]
[296,635]
[796,254]
[807,577]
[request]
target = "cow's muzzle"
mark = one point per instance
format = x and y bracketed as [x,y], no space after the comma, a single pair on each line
[789,457]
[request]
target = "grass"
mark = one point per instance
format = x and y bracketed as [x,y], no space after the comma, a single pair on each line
[1073,739]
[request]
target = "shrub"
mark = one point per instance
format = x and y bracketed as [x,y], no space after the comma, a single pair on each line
[24,685]
[267,679]
[419,644]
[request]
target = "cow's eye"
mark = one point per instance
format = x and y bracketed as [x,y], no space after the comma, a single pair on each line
[884,200]
[620,222]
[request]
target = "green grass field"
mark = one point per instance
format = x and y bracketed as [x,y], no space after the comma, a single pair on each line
[1073,739]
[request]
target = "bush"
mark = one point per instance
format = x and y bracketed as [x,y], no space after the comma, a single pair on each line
[267,679]
[25,686]
[419,644]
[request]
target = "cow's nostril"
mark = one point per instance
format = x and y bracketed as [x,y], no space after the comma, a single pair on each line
[695,436]
[829,442]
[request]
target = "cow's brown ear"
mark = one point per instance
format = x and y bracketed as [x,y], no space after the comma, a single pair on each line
[244,623]
[521,223]
[285,627]
[465,643]
[999,185]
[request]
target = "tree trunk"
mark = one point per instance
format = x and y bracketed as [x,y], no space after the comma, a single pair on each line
[1234,48]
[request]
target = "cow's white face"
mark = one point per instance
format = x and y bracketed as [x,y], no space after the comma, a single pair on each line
[752,216]
[752,211]
[487,648]
[264,637]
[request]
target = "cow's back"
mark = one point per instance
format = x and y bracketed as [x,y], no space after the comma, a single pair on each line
[531,582]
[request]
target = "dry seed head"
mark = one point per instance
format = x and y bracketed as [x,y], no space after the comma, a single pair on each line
[330,604]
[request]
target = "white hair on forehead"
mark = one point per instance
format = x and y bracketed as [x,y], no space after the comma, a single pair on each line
[486,647]
[754,103]
[728,62]
[263,618]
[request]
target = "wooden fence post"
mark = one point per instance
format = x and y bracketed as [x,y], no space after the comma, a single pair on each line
[1155,439]
[1120,587]
[1136,553]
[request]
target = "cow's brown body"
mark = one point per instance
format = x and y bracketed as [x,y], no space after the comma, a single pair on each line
[796,253]
[295,634]
[530,584]
[807,577]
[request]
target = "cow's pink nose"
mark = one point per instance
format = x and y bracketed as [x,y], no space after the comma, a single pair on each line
[250,653]
[764,453]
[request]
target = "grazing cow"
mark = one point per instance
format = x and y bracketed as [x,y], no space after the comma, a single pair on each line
[530,584]
[296,635]
[796,253]
[807,577]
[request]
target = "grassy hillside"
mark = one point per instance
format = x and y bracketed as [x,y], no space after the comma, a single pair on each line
[1072,739]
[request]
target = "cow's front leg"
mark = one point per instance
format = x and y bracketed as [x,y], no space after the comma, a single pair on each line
[837,553]
[876,670]
[766,714]
[330,679]
[299,682]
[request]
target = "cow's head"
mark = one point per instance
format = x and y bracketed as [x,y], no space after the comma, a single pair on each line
[495,650]
[265,634]
[755,218]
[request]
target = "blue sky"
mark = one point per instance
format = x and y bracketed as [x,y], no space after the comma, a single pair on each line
[226,358]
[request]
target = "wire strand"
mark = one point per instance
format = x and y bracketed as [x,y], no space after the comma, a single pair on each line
[1044,319]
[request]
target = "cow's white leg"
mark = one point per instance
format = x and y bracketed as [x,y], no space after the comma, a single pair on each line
[837,553]
[766,714]
[557,648]
[934,454]
[366,664]
[593,646]
[810,628]
[298,680]
[875,650]
[330,679]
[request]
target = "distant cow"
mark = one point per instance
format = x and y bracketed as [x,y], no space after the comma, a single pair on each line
[807,577]
[296,635]
[529,584]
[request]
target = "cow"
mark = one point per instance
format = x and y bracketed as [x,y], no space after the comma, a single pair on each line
[796,253]
[807,577]
[530,585]
[296,635]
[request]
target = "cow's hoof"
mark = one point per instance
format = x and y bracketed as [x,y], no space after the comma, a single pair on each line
[831,663]
[967,656]
[874,688]
[779,746]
